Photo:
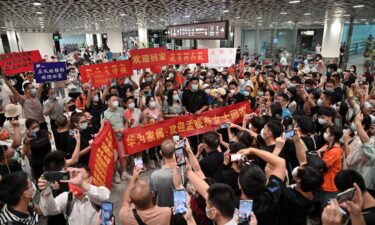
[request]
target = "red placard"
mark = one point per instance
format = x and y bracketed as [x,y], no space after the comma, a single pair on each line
[101,74]
[101,160]
[19,62]
[188,56]
[140,138]
[148,57]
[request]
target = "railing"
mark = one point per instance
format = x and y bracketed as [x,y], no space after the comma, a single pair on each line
[357,47]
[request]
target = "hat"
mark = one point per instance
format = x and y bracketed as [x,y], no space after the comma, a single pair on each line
[221,91]
[205,86]
[249,83]
[67,100]
[12,110]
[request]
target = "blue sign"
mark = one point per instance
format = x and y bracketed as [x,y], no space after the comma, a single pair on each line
[49,71]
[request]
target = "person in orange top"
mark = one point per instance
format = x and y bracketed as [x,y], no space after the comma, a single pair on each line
[332,154]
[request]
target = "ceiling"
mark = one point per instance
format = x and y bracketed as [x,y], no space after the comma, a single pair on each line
[90,15]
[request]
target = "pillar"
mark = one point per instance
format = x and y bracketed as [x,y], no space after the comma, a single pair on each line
[237,37]
[1,47]
[37,41]
[208,44]
[115,41]
[257,40]
[294,42]
[348,42]
[99,39]
[186,44]
[142,36]
[332,34]
[12,39]
[89,39]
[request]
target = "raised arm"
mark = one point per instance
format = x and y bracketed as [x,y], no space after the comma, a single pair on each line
[198,183]
[88,97]
[75,156]
[17,133]
[193,160]
[361,132]
[300,150]
[17,96]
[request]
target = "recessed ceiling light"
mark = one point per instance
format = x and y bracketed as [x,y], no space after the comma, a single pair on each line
[358,6]
[294,1]
[338,11]
[363,19]
[3,27]
[260,21]
[259,17]
[283,13]
[237,17]
[122,14]
[39,13]
[307,14]
[161,19]
[152,21]
[37,3]
[346,15]
[225,11]
[187,16]
[106,18]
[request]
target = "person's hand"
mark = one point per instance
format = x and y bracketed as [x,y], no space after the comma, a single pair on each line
[141,93]
[77,135]
[200,148]
[358,118]
[198,113]
[136,173]
[253,219]
[297,135]
[15,123]
[280,142]
[187,145]
[232,125]
[75,176]
[226,158]
[220,137]
[42,183]
[55,185]
[331,214]
[346,137]
[355,205]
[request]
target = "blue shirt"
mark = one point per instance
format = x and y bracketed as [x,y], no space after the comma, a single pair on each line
[109,55]
[286,113]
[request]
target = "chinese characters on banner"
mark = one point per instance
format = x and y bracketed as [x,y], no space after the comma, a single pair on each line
[148,57]
[101,74]
[188,56]
[221,57]
[140,138]
[19,62]
[102,157]
[49,71]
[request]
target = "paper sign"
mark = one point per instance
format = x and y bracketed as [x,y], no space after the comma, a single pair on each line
[49,71]
[221,57]
[19,62]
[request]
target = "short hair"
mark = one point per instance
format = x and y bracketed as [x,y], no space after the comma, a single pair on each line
[211,139]
[110,96]
[258,122]
[252,180]
[346,178]
[336,132]
[12,187]
[311,178]
[143,189]
[332,81]
[83,166]
[75,119]
[29,122]
[194,78]
[327,111]
[244,137]
[306,124]
[276,109]
[54,161]
[25,85]
[310,82]
[167,148]
[233,83]
[275,127]
[61,120]
[222,197]
[284,96]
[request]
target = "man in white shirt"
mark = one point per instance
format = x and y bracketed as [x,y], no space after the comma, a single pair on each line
[83,207]
[310,68]
[5,94]
[53,107]
[14,111]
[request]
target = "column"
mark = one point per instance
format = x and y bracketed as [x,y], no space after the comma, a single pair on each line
[1,47]
[142,36]
[237,37]
[115,41]
[89,40]
[186,44]
[332,34]
[348,43]
[294,42]
[12,41]
[38,41]
[99,39]
[257,40]
[208,43]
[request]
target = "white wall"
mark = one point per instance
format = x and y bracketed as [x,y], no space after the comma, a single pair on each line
[1,47]
[115,41]
[37,41]
[89,39]
[332,38]
[238,37]
[208,43]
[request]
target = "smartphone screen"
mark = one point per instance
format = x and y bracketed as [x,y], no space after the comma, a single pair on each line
[235,157]
[179,199]
[244,212]
[289,134]
[346,195]
[176,138]
[180,157]
[72,132]
[56,175]
[138,163]
[107,211]
[224,125]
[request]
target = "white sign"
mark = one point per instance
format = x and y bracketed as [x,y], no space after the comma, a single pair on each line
[221,57]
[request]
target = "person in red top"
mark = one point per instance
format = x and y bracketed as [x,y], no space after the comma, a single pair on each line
[332,154]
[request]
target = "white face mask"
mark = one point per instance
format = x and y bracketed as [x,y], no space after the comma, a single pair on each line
[95,98]
[152,104]
[208,91]
[262,134]
[326,137]
[176,97]
[322,121]
[115,104]
[131,105]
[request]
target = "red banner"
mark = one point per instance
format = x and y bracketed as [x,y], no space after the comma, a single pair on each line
[19,62]
[188,56]
[148,57]
[102,157]
[101,74]
[140,138]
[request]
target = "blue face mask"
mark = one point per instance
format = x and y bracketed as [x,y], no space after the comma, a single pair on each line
[16,156]
[33,91]
[246,93]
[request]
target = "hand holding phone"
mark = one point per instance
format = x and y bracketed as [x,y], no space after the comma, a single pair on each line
[107,212]
[346,195]
[138,163]
[176,138]
[244,212]
[289,134]
[180,156]
[56,175]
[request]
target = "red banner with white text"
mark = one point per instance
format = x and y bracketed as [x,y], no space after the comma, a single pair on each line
[148,57]
[101,74]
[101,160]
[18,62]
[188,56]
[140,138]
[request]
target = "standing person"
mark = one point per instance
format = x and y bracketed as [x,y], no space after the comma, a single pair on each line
[30,101]
[87,55]
[173,107]
[318,49]
[79,122]
[13,111]
[5,95]
[53,107]
[195,101]
[213,159]
[238,54]
[132,114]
[115,115]
[74,86]
[109,55]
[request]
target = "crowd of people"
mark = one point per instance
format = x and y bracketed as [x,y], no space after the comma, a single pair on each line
[310,135]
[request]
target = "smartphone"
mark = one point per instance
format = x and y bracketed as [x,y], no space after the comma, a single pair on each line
[235,157]
[180,156]
[107,212]
[346,195]
[56,175]
[289,134]
[179,199]
[138,163]
[176,138]
[72,132]
[244,212]
[224,125]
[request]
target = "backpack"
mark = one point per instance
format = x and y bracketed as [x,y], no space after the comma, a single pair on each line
[70,204]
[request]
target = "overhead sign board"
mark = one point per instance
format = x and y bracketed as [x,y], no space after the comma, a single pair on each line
[211,30]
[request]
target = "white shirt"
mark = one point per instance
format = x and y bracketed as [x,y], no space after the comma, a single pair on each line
[8,127]
[82,212]
[4,95]
[232,221]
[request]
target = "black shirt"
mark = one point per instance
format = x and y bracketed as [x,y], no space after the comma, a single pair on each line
[263,146]
[13,167]
[62,141]
[236,99]
[211,163]
[227,175]
[85,138]
[368,215]
[194,101]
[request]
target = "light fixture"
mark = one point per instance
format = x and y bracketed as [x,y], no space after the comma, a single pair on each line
[106,18]
[294,1]
[363,19]
[161,19]
[358,6]
[283,13]
[307,14]
[187,16]
[122,14]
[39,13]
[225,11]
[347,15]
[152,21]
[259,17]
[237,17]
[37,4]
[338,11]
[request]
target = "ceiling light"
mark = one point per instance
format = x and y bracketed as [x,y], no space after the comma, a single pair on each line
[294,1]
[37,3]
[39,13]
[338,11]
[161,19]
[358,6]
[346,15]
[187,16]
[283,13]
[237,17]
[106,18]
[3,27]
[225,11]
[260,21]
[259,17]
[363,19]
[122,14]
[152,21]
[307,14]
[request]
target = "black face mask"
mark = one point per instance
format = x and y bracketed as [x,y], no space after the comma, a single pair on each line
[72,108]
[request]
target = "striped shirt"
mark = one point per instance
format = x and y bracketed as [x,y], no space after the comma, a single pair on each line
[11,217]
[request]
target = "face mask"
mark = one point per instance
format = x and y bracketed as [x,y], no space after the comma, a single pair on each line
[95,98]
[246,79]
[176,97]
[149,79]
[83,126]
[147,93]
[256,72]
[326,136]
[353,127]
[329,90]
[194,87]
[322,121]
[308,89]
[329,71]
[115,104]
[207,212]
[16,156]
[75,190]
[319,102]
[72,108]
[33,91]
[311,66]
[262,134]
[131,105]
[208,91]
[246,93]
[171,75]
[351,70]
[260,93]
[152,105]
[190,75]
[309,58]
[35,130]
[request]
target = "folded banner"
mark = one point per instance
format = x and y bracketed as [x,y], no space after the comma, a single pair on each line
[188,56]
[221,57]
[49,71]
[148,57]
[140,138]
[101,160]
[101,74]
[19,62]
